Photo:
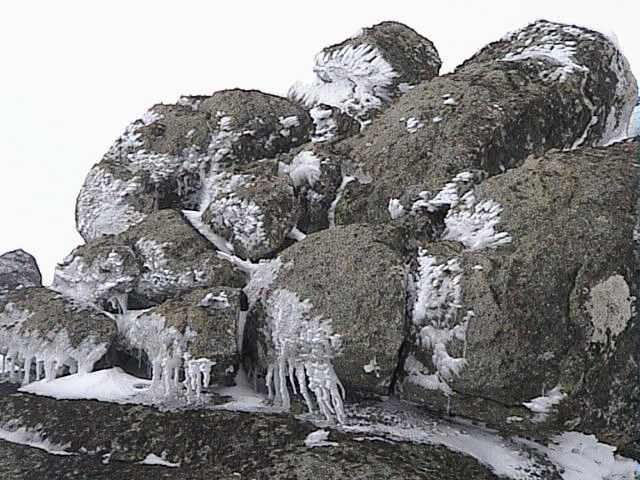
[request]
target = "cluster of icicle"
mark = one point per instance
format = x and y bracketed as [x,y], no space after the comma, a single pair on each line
[168,352]
[303,349]
[28,356]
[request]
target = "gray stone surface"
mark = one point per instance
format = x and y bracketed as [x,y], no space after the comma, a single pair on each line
[18,269]
[510,100]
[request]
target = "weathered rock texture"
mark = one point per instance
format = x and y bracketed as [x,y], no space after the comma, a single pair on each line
[18,269]
[545,86]
[552,308]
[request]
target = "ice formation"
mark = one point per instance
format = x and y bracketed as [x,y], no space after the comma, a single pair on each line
[558,46]
[14,433]
[543,405]
[396,210]
[303,349]
[413,125]
[436,294]
[106,279]
[473,223]
[332,209]
[30,355]
[634,123]
[168,352]
[305,169]
[319,438]
[355,79]
[103,207]
[325,126]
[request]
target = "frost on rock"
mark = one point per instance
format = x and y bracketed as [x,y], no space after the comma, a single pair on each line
[634,122]
[305,169]
[105,205]
[413,125]
[332,209]
[168,351]
[558,46]
[325,125]
[473,223]
[543,405]
[29,355]
[319,438]
[107,278]
[436,295]
[355,79]
[241,217]
[303,348]
[448,197]
[396,210]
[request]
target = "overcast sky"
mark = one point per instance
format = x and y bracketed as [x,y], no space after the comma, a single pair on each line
[74,73]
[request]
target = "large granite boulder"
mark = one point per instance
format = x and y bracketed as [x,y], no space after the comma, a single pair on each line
[162,257]
[102,272]
[254,213]
[175,259]
[44,334]
[542,315]
[348,285]
[165,159]
[197,330]
[362,74]
[18,269]
[546,86]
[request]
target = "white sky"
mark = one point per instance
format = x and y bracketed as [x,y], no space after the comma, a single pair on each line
[73,74]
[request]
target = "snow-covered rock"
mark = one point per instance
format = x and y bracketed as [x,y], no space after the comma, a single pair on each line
[254,213]
[540,88]
[347,275]
[175,259]
[361,75]
[102,272]
[549,311]
[166,158]
[634,122]
[43,334]
[200,326]
[18,269]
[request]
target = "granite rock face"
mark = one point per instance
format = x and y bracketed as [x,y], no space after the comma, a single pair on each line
[18,269]
[382,250]
[545,86]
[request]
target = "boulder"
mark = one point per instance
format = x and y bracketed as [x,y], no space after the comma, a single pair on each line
[253,213]
[44,334]
[196,329]
[362,74]
[531,306]
[18,269]
[164,159]
[347,285]
[546,86]
[102,272]
[175,259]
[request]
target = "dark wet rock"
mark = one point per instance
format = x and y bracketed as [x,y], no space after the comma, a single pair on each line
[253,213]
[206,444]
[361,75]
[163,159]
[552,307]
[516,97]
[354,277]
[175,259]
[38,324]
[210,316]
[18,269]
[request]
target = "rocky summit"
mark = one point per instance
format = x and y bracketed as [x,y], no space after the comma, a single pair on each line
[388,274]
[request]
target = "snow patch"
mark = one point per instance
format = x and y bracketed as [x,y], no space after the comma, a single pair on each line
[153,459]
[319,438]
[31,438]
[543,405]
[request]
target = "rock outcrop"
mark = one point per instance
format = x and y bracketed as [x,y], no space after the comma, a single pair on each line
[381,250]
[545,86]
[18,269]
[43,334]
